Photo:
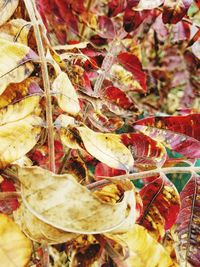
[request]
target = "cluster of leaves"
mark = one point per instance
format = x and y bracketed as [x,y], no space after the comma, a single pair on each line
[80,100]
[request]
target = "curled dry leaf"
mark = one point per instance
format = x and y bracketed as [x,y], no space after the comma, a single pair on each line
[107,148]
[59,200]
[144,250]
[14,65]
[18,138]
[16,30]
[15,248]
[39,231]
[19,110]
[7,8]
[66,94]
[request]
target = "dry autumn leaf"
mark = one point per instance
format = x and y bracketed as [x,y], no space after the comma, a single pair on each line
[14,146]
[14,65]
[66,94]
[144,250]
[39,231]
[15,248]
[19,110]
[7,8]
[16,30]
[59,200]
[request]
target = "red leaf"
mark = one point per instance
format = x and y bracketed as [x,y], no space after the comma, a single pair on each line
[9,205]
[145,150]
[116,7]
[104,170]
[133,64]
[132,19]
[188,222]
[175,10]
[106,27]
[119,98]
[160,198]
[179,133]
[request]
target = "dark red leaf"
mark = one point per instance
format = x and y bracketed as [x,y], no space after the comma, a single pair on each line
[133,64]
[179,133]
[145,150]
[175,10]
[132,19]
[116,7]
[188,222]
[160,205]
[9,205]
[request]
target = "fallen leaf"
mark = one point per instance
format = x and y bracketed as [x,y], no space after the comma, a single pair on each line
[15,248]
[66,94]
[18,138]
[148,4]
[59,200]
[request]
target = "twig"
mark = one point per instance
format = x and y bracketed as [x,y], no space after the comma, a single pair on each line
[30,5]
[142,175]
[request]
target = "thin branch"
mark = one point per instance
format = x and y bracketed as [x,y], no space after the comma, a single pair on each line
[141,175]
[30,5]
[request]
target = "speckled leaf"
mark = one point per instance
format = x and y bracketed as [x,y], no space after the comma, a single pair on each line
[59,200]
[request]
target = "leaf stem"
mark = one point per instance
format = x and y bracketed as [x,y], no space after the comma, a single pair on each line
[30,6]
[142,175]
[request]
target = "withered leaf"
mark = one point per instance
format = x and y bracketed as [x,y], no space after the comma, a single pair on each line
[59,200]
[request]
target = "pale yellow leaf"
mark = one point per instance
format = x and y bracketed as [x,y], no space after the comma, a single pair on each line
[66,94]
[7,8]
[16,30]
[18,138]
[144,250]
[107,148]
[71,46]
[39,231]
[13,68]
[19,110]
[15,248]
[59,200]
[148,4]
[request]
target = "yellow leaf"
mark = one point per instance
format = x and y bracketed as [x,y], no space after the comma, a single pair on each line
[39,231]
[16,30]
[14,67]
[66,94]
[19,110]
[15,248]
[7,8]
[18,138]
[144,250]
[107,148]
[59,200]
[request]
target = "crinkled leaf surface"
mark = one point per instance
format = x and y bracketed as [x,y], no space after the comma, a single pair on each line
[15,248]
[59,200]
